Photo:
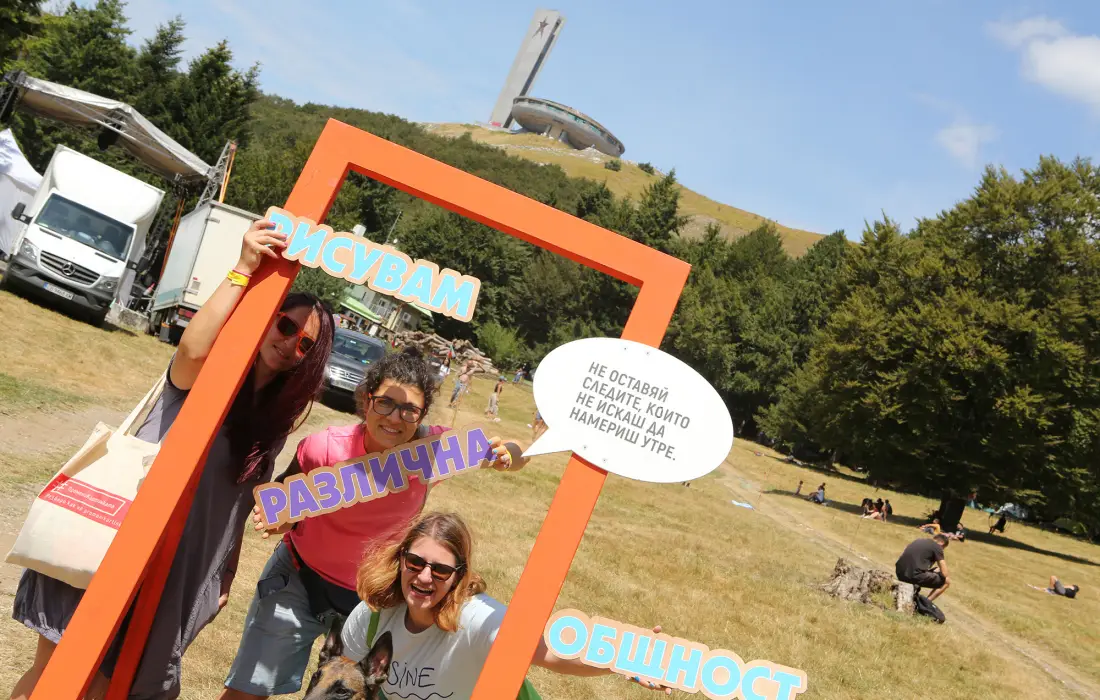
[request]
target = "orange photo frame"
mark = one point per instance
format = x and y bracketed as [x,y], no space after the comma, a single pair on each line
[140,557]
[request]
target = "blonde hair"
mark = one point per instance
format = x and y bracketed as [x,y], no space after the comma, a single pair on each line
[379,578]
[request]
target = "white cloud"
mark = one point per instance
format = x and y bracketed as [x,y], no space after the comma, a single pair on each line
[1018,34]
[1064,63]
[964,140]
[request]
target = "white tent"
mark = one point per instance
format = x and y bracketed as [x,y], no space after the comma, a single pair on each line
[18,183]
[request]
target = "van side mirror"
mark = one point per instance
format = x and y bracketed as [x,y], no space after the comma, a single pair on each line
[18,215]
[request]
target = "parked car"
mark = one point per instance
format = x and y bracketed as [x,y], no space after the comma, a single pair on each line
[347,363]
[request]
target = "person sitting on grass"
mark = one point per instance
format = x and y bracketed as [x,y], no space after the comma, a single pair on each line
[932,528]
[819,495]
[887,510]
[424,591]
[798,491]
[919,562]
[1057,588]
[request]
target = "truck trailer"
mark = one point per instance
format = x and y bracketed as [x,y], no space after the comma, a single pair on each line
[206,246]
[82,235]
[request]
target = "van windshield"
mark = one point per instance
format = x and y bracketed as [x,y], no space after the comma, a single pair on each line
[75,221]
[357,349]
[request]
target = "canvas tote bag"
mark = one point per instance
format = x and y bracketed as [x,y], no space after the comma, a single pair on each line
[74,519]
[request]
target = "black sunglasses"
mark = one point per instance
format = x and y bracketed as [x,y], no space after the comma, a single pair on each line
[288,327]
[416,563]
[384,406]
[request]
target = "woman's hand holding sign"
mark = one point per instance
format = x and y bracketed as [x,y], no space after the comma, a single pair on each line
[508,456]
[260,241]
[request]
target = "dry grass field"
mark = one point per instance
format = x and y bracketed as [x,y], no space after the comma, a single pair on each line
[628,182]
[682,557]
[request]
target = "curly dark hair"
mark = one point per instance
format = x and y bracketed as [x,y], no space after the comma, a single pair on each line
[408,367]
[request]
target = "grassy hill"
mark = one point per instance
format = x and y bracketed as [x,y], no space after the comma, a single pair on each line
[629,181]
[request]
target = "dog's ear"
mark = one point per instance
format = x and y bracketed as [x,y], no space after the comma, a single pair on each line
[376,667]
[334,645]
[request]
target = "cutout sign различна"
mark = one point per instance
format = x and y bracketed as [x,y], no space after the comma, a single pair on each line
[372,476]
[382,268]
[630,409]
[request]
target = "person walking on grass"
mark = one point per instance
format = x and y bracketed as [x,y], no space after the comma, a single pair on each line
[276,397]
[798,490]
[425,592]
[310,578]
[462,383]
[494,400]
[924,565]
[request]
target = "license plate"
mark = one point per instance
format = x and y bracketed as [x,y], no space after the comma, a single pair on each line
[58,291]
[342,384]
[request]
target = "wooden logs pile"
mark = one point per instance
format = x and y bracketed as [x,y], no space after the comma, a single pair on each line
[432,344]
[851,582]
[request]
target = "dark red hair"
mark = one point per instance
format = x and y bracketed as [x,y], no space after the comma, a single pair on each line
[257,433]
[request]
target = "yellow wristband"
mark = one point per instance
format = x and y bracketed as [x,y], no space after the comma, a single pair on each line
[237,278]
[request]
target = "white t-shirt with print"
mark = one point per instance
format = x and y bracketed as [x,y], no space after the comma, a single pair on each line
[433,664]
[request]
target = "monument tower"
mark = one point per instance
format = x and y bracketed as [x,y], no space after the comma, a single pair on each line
[541,36]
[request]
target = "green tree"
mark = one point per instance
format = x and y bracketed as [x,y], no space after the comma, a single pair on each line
[18,20]
[157,70]
[324,286]
[658,220]
[210,104]
[501,344]
[966,355]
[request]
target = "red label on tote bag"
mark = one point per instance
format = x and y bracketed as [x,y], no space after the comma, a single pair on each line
[84,499]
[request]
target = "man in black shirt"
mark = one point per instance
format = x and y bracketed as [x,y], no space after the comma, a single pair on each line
[918,563]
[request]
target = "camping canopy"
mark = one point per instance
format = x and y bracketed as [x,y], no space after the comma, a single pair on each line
[18,183]
[155,149]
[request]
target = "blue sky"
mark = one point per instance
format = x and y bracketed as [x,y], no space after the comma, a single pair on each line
[819,115]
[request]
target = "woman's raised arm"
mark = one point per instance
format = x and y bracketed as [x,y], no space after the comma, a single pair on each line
[259,241]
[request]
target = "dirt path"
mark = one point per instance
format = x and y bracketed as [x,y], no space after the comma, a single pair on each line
[26,433]
[973,624]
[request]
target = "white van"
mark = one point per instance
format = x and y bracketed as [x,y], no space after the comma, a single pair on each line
[84,232]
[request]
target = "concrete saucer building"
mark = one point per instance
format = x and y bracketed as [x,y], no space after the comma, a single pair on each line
[542,116]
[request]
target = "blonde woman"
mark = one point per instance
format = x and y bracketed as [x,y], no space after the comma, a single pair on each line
[434,605]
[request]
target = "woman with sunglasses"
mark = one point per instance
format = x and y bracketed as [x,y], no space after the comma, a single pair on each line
[428,597]
[311,576]
[274,400]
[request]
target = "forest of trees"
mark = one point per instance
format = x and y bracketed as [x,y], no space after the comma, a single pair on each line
[963,354]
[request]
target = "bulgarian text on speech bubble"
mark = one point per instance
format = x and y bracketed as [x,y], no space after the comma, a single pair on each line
[632,410]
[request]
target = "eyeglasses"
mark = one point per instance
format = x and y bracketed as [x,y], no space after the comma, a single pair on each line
[384,406]
[416,563]
[288,327]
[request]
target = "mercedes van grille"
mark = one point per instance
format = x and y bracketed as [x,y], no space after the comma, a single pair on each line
[68,270]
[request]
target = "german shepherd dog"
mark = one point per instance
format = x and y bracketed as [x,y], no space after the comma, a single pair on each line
[340,678]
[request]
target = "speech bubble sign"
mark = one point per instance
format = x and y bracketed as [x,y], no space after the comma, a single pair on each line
[630,409]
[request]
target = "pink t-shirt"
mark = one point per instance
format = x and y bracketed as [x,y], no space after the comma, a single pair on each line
[333,544]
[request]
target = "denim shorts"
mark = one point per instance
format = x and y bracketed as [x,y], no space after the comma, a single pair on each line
[279,632]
